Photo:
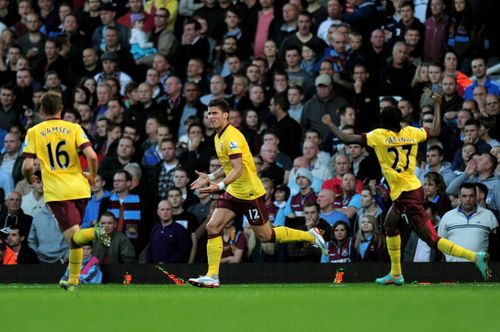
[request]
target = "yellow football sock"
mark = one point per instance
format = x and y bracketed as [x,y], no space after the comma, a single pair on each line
[394,249]
[75,263]
[286,234]
[83,236]
[452,249]
[214,254]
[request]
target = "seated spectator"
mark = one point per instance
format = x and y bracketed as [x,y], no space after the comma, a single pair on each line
[311,151]
[234,244]
[16,242]
[349,201]
[341,246]
[471,131]
[369,207]
[364,166]
[416,250]
[479,69]
[294,210]
[126,207]
[13,215]
[342,165]
[327,211]
[169,241]
[90,272]
[7,256]
[270,169]
[34,201]
[435,163]
[46,239]
[369,242]
[121,250]
[469,225]
[480,169]
[305,252]
[301,162]
[435,192]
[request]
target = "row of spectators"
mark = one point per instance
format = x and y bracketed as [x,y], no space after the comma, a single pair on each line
[137,76]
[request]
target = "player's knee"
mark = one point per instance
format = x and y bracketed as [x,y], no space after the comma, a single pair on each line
[264,237]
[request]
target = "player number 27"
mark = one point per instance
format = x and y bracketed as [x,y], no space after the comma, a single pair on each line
[61,156]
[396,151]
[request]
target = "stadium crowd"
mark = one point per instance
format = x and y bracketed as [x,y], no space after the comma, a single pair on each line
[138,76]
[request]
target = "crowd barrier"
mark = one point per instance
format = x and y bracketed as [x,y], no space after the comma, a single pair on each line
[247,273]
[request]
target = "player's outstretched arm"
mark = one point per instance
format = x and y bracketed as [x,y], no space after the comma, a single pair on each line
[346,138]
[436,122]
[28,169]
[92,162]
[204,178]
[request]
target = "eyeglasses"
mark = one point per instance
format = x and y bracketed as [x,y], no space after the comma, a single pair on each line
[427,120]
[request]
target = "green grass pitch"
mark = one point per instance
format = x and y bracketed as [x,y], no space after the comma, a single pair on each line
[262,307]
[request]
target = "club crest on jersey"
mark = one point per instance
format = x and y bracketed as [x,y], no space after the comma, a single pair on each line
[233,145]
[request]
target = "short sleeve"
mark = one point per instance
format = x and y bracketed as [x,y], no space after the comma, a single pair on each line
[82,141]
[29,145]
[234,145]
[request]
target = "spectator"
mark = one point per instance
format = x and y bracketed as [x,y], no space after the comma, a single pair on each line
[301,162]
[312,153]
[435,163]
[435,192]
[126,208]
[107,14]
[479,70]
[7,256]
[468,225]
[163,172]
[14,216]
[270,169]
[18,244]
[287,129]
[471,135]
[111,164]
[369,207]
[334,9]
[46,239]
[99,194]
[110,68]
[10,161]
[341,246]
[396,75]
[365,167]
[183,217]
[341,167]
[90,272]
[169,241]
[234,244]
[480,169]
[121,250]
[305,252]
[369,242]
[417,250]
[435,32]
[327,212]
[325,101]
[9,114]
[34,201]
[294,210]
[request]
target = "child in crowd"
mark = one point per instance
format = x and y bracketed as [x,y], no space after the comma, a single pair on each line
[90,272]
[139,44]
[309,58]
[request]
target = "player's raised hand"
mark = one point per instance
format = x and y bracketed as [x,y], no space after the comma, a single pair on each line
[201,181]
[438,99]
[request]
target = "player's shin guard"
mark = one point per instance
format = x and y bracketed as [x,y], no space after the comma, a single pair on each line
[449,248]
[75,263]
[214,254]
[394,249]
[83,236]
[285,235]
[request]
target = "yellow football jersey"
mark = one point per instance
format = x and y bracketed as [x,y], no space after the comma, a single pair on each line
[232,144]
[397,154]
[56,143]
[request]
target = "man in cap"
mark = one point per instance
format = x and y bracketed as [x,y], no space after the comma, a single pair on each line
[110,69]
[325,101]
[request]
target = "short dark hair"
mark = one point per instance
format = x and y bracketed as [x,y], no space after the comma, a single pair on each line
[436,148]
[128,176]
[472,122]
[281,99]
[482,188]
[467,185]
[108,214]
[220,103]
[391,117]
[51,103]
[310,203]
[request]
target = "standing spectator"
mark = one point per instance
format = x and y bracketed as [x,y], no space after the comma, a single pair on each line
[184,218]
[468,225]
[294,210]
[136,7]
[262,21]
[435,163]
[435,32]
[33,42]
[111,164]
[121,250]
[169,242]
[287,129]
[325,101]
[396,75]
[9,114]
[435,192]
[479,69]
[369,241]
[342,166]
[369,207]
[107,14]
[10,160]
[334,9]
[46,239]
[163,172]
